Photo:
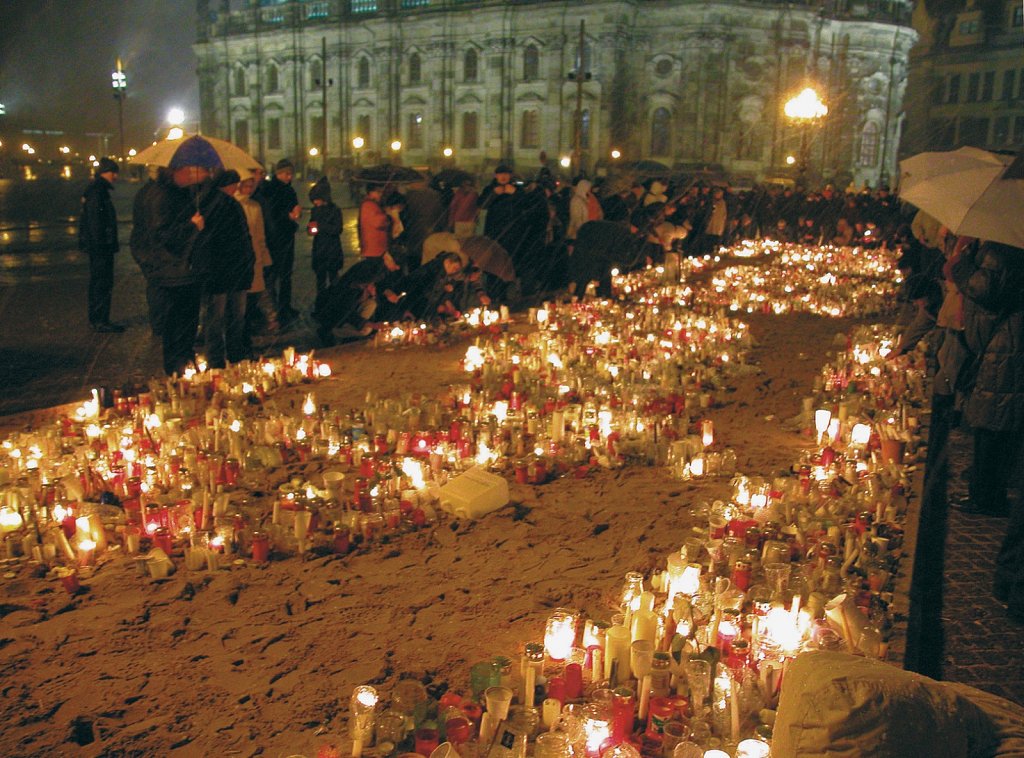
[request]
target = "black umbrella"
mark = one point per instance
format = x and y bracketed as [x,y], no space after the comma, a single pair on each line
[489,256]
[388,174]
[647,168]
[450,178]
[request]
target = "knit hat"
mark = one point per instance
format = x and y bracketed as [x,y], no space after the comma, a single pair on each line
[284,163]
[321,190]
[504,168]
[105,165]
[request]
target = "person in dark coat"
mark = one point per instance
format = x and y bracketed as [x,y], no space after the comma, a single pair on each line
[500,199]
[325,225]
[430,289]
[992,283]
[600,247]
[97,238]
[165,225]
[353,299]
[224,258]
[281,213]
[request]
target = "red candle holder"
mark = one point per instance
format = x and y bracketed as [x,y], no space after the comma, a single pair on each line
[261,547]
[426,740]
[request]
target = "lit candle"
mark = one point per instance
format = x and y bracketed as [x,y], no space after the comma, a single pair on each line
[86,552]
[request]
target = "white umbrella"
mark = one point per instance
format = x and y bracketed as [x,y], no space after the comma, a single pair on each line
[967,191]
[198,150]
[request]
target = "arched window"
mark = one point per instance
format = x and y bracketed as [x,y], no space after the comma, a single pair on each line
[470,65]
[531,63]
[239,85]
[583,59]
[415,69]
[470,130]
[316,73]
[585,129]
[273,78]
[363,125]
[661,131]
[363,73]
[869,138]
[529,134]
[414,132]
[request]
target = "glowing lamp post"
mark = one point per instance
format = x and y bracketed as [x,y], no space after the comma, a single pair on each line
[119,83]
[805,109]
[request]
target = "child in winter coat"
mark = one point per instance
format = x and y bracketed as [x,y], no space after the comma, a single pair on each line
[325,227]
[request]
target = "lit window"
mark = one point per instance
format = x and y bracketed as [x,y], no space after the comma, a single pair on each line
[414,132]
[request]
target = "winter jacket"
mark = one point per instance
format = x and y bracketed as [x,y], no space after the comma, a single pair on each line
[579,212]
[502,212]
[223,254]
[992,283]
[97,229]
[280,199]
[257,233]
[374,229]
[327,253]
[163,233]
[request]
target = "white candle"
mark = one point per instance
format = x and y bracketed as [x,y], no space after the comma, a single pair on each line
[645,695]
[529,685]
[551,710]
[557,425]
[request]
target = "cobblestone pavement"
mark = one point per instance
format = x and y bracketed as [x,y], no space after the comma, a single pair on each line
[982,645]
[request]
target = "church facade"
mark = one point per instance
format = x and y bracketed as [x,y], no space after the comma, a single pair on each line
[689,84]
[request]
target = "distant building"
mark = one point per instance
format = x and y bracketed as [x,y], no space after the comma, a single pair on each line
[686,83]
[967,76]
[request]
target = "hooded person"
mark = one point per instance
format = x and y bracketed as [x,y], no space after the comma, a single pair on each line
[325,224]
[579,207]
[656,193]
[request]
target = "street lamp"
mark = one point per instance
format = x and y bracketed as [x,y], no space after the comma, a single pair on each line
[616,154]
[119,81]
[805,109]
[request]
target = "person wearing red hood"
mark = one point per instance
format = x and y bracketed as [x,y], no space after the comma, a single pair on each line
[325,223]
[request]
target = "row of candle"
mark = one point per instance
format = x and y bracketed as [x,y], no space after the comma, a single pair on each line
[789,563]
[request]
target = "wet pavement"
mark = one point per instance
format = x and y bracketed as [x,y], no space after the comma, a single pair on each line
[48,354]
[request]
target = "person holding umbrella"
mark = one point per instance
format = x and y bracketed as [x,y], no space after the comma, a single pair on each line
[97,238]
[166,223]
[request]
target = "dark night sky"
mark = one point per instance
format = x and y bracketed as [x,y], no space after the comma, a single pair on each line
[56,57]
